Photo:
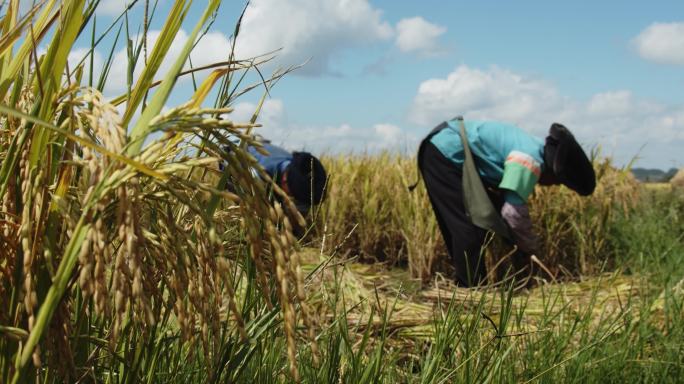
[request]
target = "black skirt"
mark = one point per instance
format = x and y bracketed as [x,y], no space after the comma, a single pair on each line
[464,241]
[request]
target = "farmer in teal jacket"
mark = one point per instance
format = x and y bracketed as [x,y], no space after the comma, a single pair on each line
[506,163]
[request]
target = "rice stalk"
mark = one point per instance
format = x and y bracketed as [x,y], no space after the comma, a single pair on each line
[103,228]
[398,227]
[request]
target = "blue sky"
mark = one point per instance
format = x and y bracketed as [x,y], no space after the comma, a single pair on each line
[382,73]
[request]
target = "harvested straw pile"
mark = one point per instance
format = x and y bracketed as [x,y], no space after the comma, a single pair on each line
[678,180]
[412,312]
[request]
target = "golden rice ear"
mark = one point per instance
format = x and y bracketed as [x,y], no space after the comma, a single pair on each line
[127,217]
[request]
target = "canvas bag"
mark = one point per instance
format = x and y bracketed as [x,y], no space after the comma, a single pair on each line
[478,205]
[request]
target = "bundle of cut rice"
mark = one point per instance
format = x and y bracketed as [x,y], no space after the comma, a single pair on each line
[411,313]
[678,180]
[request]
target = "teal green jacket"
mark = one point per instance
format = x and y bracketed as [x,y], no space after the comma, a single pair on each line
[505,156]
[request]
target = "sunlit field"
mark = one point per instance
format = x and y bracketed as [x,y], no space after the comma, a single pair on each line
[124,258]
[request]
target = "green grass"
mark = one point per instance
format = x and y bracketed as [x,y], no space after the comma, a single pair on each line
[638,340]
[214,292]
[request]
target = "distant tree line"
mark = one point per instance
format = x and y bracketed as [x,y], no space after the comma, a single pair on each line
[651,175]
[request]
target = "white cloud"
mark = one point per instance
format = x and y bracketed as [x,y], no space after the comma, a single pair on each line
[213,47]
[322,138]
[112,7]
[390,134]
[662,43]
[495,93]
[418,35]
[617,121]
[316,29]
[613,103]
[79,54]
[272,116]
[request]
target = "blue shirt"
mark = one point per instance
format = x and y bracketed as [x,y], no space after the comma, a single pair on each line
[275,163]
[505,155]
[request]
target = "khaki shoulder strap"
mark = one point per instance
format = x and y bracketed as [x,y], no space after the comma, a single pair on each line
[477,203]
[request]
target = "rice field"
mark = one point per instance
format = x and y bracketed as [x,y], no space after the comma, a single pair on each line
[573,230]
[124,259]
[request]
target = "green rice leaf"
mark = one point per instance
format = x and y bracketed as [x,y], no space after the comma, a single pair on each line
[156,104]
[142,168]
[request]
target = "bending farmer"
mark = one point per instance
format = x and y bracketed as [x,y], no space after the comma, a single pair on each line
[479,176]
[300,174]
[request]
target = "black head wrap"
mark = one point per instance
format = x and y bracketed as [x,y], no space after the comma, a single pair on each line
[306,178]
[568,162]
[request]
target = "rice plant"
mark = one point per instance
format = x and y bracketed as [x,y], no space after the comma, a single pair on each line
[113,234]
[123,258]
[391,224]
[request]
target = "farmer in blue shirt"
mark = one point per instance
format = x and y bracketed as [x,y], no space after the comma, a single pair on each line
[299,174]
[508,162]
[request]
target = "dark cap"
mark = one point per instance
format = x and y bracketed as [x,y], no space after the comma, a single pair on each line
[306,178]
[568,162]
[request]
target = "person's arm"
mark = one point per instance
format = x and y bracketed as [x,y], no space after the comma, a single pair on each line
[521,173]
[517,216]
